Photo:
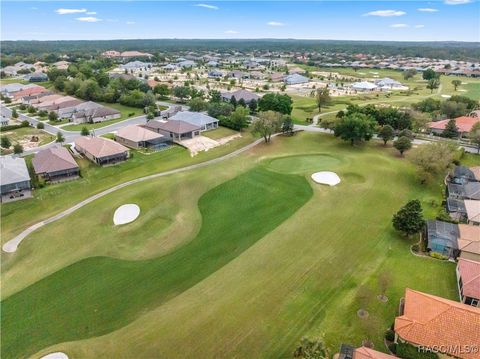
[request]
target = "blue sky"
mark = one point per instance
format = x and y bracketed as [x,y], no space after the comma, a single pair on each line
[441,20]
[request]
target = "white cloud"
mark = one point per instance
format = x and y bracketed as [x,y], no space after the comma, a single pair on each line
[91,13]
[130,23]
[398,26]
[88,19]
[206,6]
[427,9]
[419,26]
[275,23]
[457,2]
[385,13]
[231,32]
[69,11]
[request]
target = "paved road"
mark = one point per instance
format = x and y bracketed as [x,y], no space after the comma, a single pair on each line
[12,245]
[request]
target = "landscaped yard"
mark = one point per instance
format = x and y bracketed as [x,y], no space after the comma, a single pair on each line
[237,259]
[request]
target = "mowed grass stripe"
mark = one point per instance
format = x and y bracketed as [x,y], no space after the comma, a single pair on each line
[100,294]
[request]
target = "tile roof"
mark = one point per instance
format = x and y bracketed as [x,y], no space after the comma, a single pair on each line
[469,271]
[473,210]
[177,126]
[429,320]
[247,96]
[476,172]
[29,91]
[367,353]
[464,123]
[99,146]
[137,133]
[194,118]
[13,170]
[53,159]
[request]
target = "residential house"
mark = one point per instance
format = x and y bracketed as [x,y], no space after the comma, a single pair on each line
[277,77]
[469,190]
[295,79]
[364,86]
[464,125]
[174,130]
[6,116]
[100,150]
[242,94]
[91,112]
[63,106]
[468,281]
[441,238]
[187,64]
[215,74]
[36,77]
[10,89]
[170,67]
[37,99]
[212,63]
[462,175]
[426,320]
[55,164]
[350,352]
[135,65]
[469,242]
[456,209]
[472,208]
[61,65]
[236,74]
[390,84]
[198,119]
[14,179]
[28,92]
[56,102]
[136,136]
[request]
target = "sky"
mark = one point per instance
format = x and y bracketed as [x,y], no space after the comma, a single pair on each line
[438,20]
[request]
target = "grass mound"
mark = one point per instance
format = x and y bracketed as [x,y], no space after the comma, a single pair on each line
[100,294]
[304,164]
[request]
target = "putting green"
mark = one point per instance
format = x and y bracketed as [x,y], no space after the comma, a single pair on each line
[100,294]
[304,164]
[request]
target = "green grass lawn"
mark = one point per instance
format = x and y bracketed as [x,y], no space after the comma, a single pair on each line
[220,132]
[240,259]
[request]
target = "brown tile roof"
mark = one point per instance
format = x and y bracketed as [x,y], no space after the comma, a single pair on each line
[53,159]
[367,353]
[473,210]
[464,123]
[469,238]
[177,126]
[470,273]
[429,320]
[29,91]
[99,146]
[476,171]
[137,133]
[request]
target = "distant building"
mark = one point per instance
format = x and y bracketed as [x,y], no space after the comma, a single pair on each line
[37,77]
[464,125]
[55,164]
[244,95]
[364,86]
[295,79]
[100,150]
[14,179]
[198,119]
[174,131]
[135,136]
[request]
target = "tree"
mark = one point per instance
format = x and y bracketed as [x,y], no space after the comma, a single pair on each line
[474,135]
[267,123]
[197,104]
[233,101]
[429,74]
[276,102]
[217,109]
[456,83]
[323,98]
[150,115]
[5,142]
[386,133]
[287,125]
[408,74]
[60,137]
[451,129]
[252,105]
[311,349]
[14,113]
[84,131]
[59,83]
[162,91]
[433,84]
[239,118]
[409,219]
[355,127]
[432,159]
[17,148]
[215,96]
[402,144]
[52,116]
[406,133]
[40,125]
[181,92]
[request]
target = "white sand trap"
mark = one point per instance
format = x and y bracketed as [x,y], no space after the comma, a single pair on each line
[57,355]
[446,96]
[125,214]
[328,178]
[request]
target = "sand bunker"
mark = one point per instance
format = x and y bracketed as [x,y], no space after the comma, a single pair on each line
[57,355]
[325,177]
[126,214]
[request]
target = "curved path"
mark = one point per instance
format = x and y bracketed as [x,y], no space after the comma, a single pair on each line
[12,245]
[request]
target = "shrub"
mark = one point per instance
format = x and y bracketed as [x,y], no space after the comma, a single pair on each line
[40,126]
[393,348]
[14,127]
[415,248]
[438,256]
[408,351]
[390,335]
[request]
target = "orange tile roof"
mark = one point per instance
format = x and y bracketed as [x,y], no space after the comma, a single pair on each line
[464,123]
[473,210]
[470,273]
[29,91]
[432,321]
[367,353]
[476,172]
